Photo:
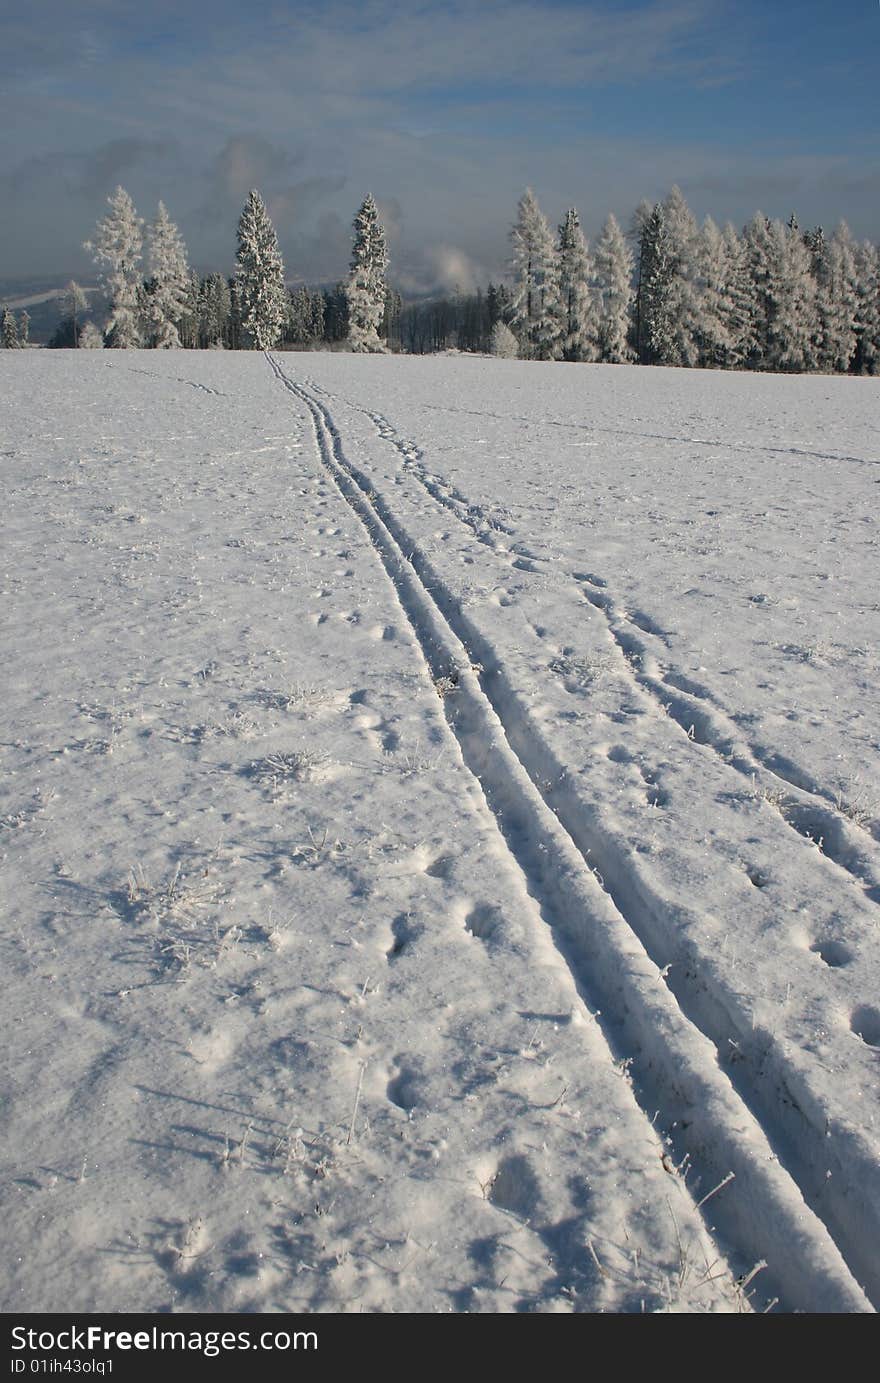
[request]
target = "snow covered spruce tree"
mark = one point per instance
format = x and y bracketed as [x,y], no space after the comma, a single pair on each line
[784,326]
[758,260]
[537,308]
[716,337]
[867,323]
[261,297]
[167,288]
[834,266]
[669,298]
[8,331]
[116,250]
[614,266]
[793,324]
[739,307]
[577,303]
[365,288]
[73,304]
[216,308]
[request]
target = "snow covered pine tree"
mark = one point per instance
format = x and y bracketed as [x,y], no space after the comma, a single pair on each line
[577,300]
[166,298]
[365,288]
[8,331]
[116,249]
[614,267]
[261,296]
[537,307]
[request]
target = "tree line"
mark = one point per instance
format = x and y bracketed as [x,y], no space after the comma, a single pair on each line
[772,297]
[667,292]
[173,307]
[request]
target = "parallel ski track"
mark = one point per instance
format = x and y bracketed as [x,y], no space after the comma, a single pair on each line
[675,1064]
[807,811]
[851,1198]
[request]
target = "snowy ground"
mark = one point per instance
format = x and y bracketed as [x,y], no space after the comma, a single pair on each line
[440,834]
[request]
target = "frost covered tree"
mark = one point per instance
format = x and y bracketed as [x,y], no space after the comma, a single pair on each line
[73,304]
[503,342]
[117,250]
[739,300]
[676,328]
[190,321]
[216,305]
[305,323]
[640,236]
[668,305]
[759,259]
[365,288]
[793,323]
[9,331]
[166,257]
[837,300]
[614,268]
[536,318]
[656,271]
[724,297]
[713,335]
[866,359]
[261,296]
[90,338]
[577,300]
[784,323]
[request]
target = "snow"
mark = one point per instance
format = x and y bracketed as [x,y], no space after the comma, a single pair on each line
[440,834]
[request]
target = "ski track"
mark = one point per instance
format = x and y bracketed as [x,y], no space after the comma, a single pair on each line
[718,1120]
[809,816]
[807,808]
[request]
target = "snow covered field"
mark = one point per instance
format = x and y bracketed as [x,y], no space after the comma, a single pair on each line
[440,835]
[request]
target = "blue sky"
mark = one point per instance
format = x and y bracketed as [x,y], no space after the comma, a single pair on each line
[444,111]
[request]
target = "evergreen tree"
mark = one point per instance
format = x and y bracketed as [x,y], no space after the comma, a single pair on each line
[640,235]
[576,294]
[536,318]
[793,319]
[390,330]
[192,309]
[170,281]
[759,259]
[739,300]
[499,305]
[866,358]
[336,313]
[216,305]
[614,267]
[9,331]
[676,325]
[73,304]
[299,317]
[365,287]
[261,294]
[656,272]
[24,328]
[714,336]
[117,252]
[834,266]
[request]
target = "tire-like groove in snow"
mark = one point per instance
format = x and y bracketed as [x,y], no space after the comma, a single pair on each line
[763,1215]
